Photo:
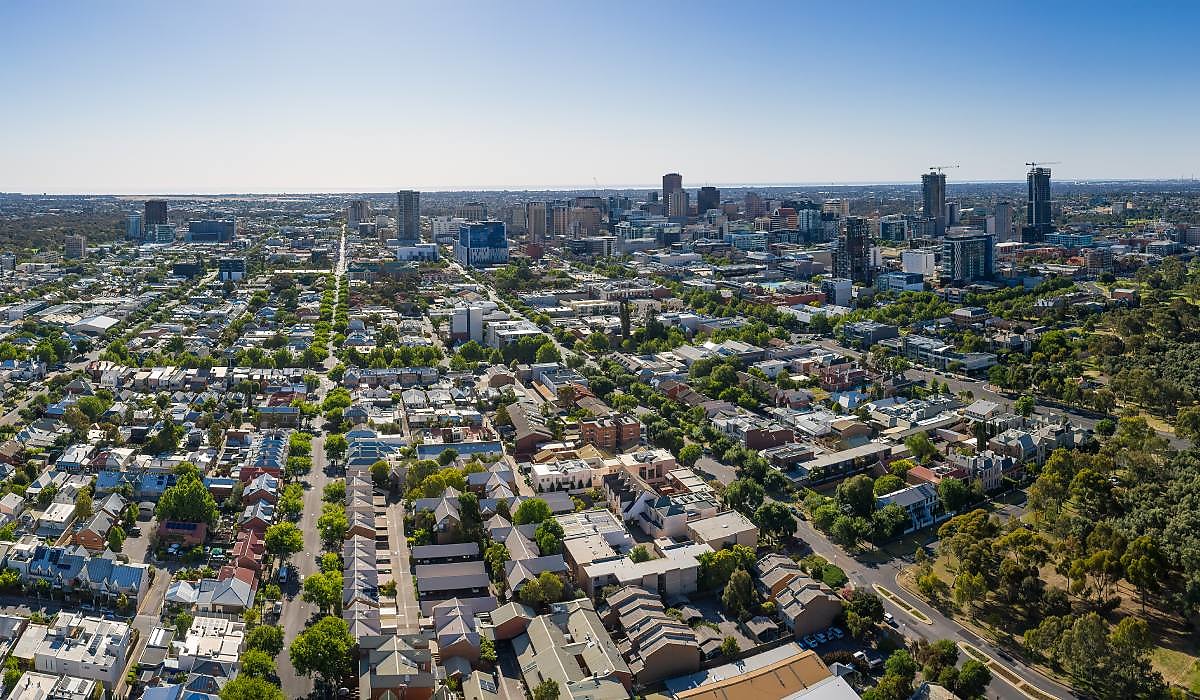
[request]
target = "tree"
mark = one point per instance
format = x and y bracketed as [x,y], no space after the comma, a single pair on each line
[690,453]
[921,446]
[495,556]
[889,521]
[249,687]
[744,496]
[1144,566]
[887,483]
[531,510]
[857,493]
[969,589]
[549,537]
[973,679]
[116,538]
[1024,406]
[380,473]
[324,590]
[323,649]
[546,690]
[551,586]
[547,353]
[188,501]
[257,663]
[335,447]
[447,456]
[738,597]
[639,554]
[955,494]
[866,604]
[717,567]
[266,638]
[283,540]
[848,531]
[775,521]
[333,523]
[335,492]
[83,505]
[730,646]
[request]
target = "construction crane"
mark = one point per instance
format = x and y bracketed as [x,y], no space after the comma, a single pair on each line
[940,168]
[1039,164]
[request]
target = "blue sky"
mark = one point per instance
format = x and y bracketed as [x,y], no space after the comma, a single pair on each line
[130,97]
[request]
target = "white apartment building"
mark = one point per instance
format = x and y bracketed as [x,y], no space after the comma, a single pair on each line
[85,647]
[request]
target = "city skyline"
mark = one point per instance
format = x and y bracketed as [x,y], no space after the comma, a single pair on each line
[226,105]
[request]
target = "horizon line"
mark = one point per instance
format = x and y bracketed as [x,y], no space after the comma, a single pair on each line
[444,189]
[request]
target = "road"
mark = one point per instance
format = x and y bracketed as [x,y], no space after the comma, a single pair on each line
[868,574]
[407,609]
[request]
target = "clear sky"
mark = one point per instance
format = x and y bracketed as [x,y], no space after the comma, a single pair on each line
[256,96]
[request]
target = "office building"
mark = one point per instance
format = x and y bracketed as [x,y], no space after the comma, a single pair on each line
[74,247]
[677,204]
[472,211]
[357,212]
[211,230]
[967,257]
[517,223]
[559,218]
[1038,219]
[408,215]
[837,290]
[231,269]
[1000,223]
[133,226]
[161,233]
[671,182]
[482,243]
[951,214]
[535,221]
[837,207]
[708,198]
[156,213]
[852,259]
[754,205]
[933,200]
[893,228]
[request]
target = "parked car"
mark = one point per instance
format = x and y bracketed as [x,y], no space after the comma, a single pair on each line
[283,574]
[810,642]
[821,638]
[836,632]
[889,618]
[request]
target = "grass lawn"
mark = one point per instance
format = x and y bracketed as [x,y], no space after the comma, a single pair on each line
[1177,667]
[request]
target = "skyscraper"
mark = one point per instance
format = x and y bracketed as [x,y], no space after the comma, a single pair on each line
[933,200]
[967,257]
[1002,222]
[358,212]
[852,258]
[1038,219]
[754,205]
[133,228]
[535,221]
[708,198]
[671,182]
[156,213]
[559,218]
[677,204]
[408,215]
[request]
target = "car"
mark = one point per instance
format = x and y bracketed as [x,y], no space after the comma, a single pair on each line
[836,633]
[889,618]
[135,531]
[810,642]
[821,638]
[278,608]
[283,574]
